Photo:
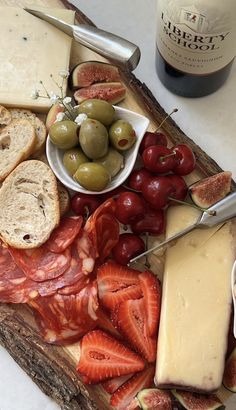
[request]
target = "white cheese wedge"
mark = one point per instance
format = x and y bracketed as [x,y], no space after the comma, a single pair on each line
[30,51]
[196,305]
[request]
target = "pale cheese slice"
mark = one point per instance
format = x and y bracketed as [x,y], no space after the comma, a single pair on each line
[196,305]
[30,51]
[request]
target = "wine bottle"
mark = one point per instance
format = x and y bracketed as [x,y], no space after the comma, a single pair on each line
[195,45]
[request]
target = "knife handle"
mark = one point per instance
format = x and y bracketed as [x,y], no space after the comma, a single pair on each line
[121,51]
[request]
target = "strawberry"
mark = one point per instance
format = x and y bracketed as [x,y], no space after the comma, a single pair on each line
[123,397]
[105,323]
[151,289]
[132,322]
[113,384]
[103,357]
[117,283]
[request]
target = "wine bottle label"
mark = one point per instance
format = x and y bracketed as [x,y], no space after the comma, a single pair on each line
[196,36]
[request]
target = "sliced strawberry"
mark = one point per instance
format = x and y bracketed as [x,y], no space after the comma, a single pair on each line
[122,398]
[117,283]
[151,289]
[105,323]
[103,357]
[132,322]
[113,384]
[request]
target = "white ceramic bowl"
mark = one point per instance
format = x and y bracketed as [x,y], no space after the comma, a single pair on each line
[55,155]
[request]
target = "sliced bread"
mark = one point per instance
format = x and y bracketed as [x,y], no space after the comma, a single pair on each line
[40,129]
[29,205]
[5,116]
[64,199]
[17,141]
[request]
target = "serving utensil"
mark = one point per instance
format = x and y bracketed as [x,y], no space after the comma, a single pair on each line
[220,212]
[233,288]
[109,45]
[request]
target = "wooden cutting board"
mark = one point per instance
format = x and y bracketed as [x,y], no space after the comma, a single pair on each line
[53,368]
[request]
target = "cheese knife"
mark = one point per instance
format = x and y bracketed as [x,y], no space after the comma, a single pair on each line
[109,45]
[221,212]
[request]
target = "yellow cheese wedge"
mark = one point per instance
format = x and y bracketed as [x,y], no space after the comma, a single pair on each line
[196,305]
[30,51]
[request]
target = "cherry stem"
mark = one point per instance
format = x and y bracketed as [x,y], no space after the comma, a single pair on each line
[166,118]
[147,264]
[131,189]
[167,156]
[212,213]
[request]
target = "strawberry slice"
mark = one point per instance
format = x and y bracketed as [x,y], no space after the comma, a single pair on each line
[151,289]
[113,384]
[105,323]
[123,397]
[103,357]
[131,320]
[117,283]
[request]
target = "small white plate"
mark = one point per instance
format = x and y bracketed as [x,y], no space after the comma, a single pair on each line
[55,155]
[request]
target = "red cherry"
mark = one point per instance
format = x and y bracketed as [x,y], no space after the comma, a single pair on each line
[137,178]
[184,159]
[153,223]
[180,187]
[114,193]
[158,159]
[128,247]
[129,207]
[152,138]
[157,191]
[83,204]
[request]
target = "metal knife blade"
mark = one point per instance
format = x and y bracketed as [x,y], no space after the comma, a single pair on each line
[116,48]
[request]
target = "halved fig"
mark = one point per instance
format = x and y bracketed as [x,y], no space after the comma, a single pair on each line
[229,379]
[195,401]
[111,92]
[52,114]
[91,72]
[154,399]
[208,191]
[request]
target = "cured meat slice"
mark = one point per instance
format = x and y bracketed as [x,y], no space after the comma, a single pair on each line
[64,234]
[63,319]
[15,287]
[85,251]
[41,264]
[104,229]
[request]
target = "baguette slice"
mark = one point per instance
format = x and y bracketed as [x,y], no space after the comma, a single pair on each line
[40,129]
[17,141]
[29,205]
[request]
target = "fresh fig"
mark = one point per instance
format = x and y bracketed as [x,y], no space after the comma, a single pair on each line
[52,114]
[90,72]
[154,399]
[208,191]
[229,379]
[111,92]
[195,401]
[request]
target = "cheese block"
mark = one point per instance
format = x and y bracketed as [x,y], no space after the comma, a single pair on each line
[196,305]
[30,51]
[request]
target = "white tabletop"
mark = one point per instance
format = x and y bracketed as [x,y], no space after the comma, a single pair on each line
[209,121]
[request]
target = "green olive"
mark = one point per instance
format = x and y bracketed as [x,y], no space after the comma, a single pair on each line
[91,176]
[99,110]
[72,159]
[122,135]
[64,134]
[93,138]
[113,162]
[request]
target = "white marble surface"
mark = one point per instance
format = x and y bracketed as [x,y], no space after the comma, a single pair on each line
[209,121]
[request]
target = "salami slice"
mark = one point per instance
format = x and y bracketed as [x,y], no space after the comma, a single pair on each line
[63,319]
[85,251]
[64,235]
[15,287]
[41,264]
[103,228]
